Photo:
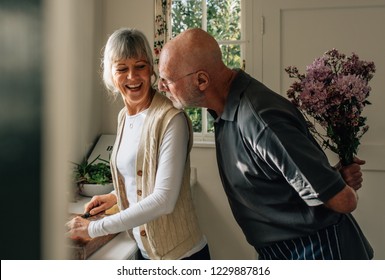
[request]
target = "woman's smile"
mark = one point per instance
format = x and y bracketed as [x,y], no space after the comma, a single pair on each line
[134,86]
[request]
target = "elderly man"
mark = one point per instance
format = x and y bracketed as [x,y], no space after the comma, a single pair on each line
[288,200]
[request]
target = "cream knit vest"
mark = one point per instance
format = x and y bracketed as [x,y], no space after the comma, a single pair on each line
[169,236]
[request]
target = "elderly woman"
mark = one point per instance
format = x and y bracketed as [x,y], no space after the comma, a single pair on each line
[150,161]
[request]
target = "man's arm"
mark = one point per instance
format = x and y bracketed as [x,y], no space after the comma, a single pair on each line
[343,202]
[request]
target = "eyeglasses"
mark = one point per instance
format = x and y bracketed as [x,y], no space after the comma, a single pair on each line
[165,83]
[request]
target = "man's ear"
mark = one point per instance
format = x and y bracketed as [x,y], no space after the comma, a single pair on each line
[203,80]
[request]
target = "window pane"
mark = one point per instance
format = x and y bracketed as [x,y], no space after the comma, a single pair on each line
[231,55]
[223,19]
[195,115]
[186,14]
[210,122]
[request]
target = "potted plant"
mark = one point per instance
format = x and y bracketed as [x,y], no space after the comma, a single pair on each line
[93,178]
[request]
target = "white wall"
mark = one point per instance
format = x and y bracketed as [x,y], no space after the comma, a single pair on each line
[225,237]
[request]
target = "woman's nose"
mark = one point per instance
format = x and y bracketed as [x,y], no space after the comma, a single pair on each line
[131,74]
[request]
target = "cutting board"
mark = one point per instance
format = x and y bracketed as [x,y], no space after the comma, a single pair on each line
[82,249]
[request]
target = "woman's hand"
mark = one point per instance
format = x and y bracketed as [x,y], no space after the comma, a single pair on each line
[100,203]
[352,173]
[78,228]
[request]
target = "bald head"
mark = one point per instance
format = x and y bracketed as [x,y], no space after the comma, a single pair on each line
[195,52]
[193,49]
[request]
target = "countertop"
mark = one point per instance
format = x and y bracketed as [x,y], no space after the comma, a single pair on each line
[121,247]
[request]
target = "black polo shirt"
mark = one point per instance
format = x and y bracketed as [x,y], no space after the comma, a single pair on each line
[274,173]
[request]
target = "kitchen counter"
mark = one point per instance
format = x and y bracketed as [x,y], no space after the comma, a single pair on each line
[121,247]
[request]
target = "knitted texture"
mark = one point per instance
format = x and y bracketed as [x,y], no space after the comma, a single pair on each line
[169,236]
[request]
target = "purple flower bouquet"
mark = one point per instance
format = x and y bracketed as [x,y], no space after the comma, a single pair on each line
[333,92]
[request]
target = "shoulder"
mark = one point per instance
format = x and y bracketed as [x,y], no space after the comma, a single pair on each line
[161,100]
[180,120]
[122,113]
[162,106]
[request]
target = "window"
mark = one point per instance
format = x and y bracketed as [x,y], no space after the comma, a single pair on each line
[225,21]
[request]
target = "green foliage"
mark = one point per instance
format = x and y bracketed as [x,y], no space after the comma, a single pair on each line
[223,19]
[210,123]
[231,55]
[185,14]
[93,173]
[195,115]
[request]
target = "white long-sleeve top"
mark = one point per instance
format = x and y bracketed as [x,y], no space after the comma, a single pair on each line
[172,157]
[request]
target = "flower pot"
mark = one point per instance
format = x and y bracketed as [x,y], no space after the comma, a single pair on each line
[95,189]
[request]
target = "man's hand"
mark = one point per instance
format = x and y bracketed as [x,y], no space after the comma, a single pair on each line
[352,174]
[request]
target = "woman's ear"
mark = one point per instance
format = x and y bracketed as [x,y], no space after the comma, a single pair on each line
[153,74]
[203,80]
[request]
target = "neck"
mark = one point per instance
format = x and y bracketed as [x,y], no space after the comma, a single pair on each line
[222,90]
[135,107]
